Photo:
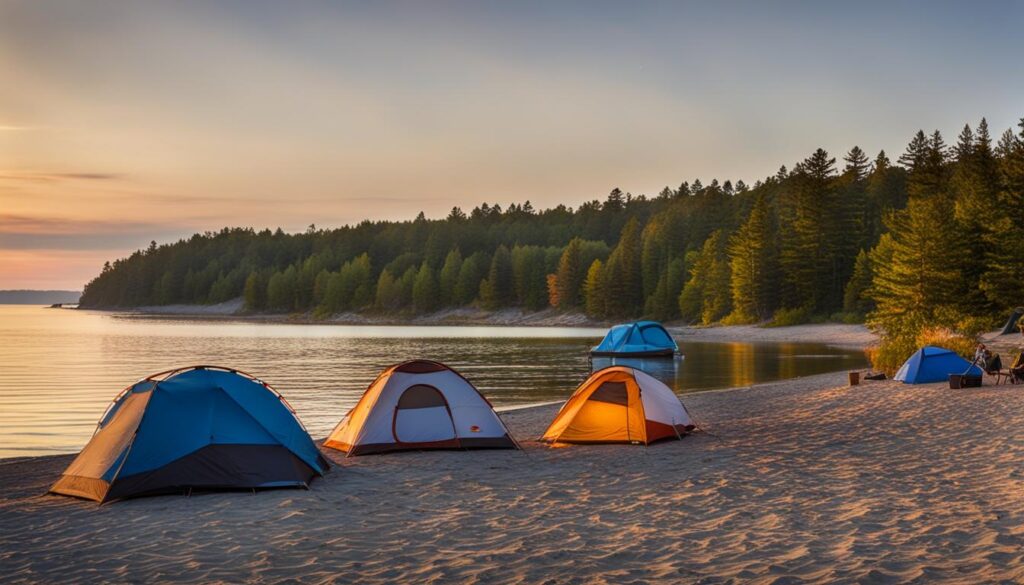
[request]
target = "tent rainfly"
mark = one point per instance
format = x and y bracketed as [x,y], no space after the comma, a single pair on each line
[620,404]
[933,364]
[202,427]
[419,405]
[639,339]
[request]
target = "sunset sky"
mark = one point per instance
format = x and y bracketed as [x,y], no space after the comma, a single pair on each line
[125,122]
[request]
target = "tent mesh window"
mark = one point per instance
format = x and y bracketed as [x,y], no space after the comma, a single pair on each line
[612,393]
[421,396]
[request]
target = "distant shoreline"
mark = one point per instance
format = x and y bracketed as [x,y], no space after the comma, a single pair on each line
[834,334]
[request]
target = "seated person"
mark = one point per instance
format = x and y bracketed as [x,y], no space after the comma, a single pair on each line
[983,357]
[1017,369]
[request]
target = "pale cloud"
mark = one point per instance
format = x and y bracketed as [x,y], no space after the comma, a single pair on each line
[21,232]
[37,176]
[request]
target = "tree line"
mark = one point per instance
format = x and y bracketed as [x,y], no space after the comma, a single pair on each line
[932,239]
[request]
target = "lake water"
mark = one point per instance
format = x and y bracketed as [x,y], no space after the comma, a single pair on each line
[59,369]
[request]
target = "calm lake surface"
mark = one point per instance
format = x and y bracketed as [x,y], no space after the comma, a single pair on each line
[59,369]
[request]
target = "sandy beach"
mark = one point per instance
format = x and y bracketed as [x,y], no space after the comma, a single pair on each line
[801,481]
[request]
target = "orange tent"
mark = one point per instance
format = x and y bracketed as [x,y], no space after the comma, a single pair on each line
[620,405]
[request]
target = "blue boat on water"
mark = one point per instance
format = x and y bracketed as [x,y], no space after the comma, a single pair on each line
[638,339]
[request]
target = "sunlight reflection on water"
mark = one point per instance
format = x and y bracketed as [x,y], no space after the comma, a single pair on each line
[60,368]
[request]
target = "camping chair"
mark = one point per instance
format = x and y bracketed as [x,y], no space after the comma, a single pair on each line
[994,367]
[1016,371]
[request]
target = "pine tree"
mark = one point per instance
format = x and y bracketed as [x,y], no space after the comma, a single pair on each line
[552,283]
[924,160]
[623,280]
[718,291]
[974,186]
[449,278]
[921,284]
[405,285]
[529,277]
[1003,279]
[595,291]
[254,292]
[853,209]
[281,290]
[707,296]
[662,304]
[886,191]
[653,257]
[752,258]
[809,255]
[388,296]
[470,274]
[498,290]
[691,298]
[570,276]
[425,290]
[856,297]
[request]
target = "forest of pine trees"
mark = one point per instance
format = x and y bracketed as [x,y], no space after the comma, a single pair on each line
[934,239]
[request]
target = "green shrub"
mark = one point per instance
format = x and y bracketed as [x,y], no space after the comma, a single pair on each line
[847,317]
[789,317]
[735,318]
[941,337]
[890,354]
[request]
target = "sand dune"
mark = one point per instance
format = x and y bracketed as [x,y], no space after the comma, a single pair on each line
[803,481]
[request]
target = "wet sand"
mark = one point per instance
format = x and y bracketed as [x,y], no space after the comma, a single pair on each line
[801,481]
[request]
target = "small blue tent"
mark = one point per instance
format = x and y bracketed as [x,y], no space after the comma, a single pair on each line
[642,338]
[933,364]
[202,427]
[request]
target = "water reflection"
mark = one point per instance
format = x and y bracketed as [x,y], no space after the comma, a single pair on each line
[663,368]
[60,369]
[703,366]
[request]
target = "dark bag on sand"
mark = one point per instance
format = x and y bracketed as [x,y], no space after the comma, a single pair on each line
[994,365]
[878,376]
[958,381]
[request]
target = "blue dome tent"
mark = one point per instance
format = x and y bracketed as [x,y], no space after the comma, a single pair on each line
[203,427]
[639,339]
[933,364]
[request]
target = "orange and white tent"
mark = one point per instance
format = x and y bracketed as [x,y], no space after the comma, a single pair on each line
[620,404]
[420,405]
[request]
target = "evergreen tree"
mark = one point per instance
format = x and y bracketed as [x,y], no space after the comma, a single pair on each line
[595,291]
[886,191]
[254,292]
[662,304]
[470,274]
[752,258]
[809,255]
[1003,279]
[974,188]
[449,278]
[924,160]
[425,290]
[853,209]
[388,294]
[281,290]
[570,276]
[920,285]
[623,278]
[856,298]
[529,276]
[707,296]
[498,290]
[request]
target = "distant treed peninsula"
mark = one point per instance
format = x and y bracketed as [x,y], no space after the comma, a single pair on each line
[934,238]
